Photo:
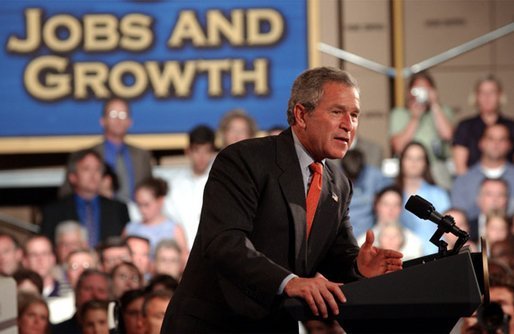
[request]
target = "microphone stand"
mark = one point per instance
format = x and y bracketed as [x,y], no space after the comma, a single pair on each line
[445,227]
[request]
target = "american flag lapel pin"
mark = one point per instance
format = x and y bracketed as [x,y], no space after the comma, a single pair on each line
[335,197]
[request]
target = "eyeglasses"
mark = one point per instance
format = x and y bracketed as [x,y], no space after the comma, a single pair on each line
[117,114]
[77,266]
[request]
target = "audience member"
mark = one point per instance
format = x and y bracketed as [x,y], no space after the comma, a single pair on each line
[184,202]
[493,195]
[38,256]
[69,236]
[503,252]
[466,150]
[28,281]
[140,252]
[92,285]
[131,164]
[497,227]
[154,308]
[131,312]
[113,252]
[94,317]
[415,178]
[101,216]
[367,181]
[236,125]
[78,261]
[10,254]
[33,314]
[461,221]
[387,208]
[162,282]
[155,225]
[426,121]
[125,276]
[276,130]
[494,146]
[168,259]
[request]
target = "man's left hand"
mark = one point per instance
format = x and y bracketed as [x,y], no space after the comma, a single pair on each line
[373,261]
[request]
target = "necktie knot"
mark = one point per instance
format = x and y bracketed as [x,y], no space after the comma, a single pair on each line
[316,167]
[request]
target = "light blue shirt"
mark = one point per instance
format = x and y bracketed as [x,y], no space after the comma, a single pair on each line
[424,229]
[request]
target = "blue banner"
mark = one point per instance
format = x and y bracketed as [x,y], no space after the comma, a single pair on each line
[179,62]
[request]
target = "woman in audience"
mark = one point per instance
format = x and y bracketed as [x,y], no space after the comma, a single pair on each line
[94,317]
[426,120]
[488,97]
[154,225]
[28,281]
[497,227]
[387,209]
[131,311]
[33,314]
[236,125]
[415,178]
[125,276]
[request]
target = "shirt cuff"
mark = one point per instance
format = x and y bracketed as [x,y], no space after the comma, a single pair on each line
[284,283]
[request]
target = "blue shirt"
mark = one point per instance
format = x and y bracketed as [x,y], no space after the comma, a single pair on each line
[94,234]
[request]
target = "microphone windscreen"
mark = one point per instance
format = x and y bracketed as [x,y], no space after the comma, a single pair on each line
[419,206]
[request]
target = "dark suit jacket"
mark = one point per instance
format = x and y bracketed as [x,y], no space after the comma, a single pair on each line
[113,216]
[252,235]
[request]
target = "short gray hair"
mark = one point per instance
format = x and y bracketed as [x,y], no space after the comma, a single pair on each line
[307,89]
[69,226]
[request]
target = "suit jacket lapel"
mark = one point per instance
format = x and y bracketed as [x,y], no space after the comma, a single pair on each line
[292,188]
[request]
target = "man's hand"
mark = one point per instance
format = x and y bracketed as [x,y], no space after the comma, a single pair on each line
[317,292]
[373,261]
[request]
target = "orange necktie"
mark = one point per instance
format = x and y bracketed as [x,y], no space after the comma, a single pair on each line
[313,193]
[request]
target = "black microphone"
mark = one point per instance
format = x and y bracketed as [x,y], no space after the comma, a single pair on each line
[425,210]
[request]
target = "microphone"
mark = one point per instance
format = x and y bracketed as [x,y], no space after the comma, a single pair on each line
[425,210]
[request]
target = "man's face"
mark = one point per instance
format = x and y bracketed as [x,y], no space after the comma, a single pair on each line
[93,287]
[168,261]
[116,121]
[87,177]
[201,156]
[67,243]
[488,97]
[95,322]
[39,257]
[76,265]
[495,143]
[140,250]
[492,196]
[113,256]
[155,311]
[328,130]
[10,256]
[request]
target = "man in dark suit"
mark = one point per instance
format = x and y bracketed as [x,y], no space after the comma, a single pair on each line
[131,164]
[101,216]
[253,245]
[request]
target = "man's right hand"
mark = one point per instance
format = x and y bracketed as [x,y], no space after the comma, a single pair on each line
[317,292]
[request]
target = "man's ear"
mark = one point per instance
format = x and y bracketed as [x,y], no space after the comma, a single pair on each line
[72,178]
[299,113]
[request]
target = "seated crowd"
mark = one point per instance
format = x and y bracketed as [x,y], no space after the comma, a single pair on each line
[118,234]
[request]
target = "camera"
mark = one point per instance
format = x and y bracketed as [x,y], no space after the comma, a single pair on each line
[491,318]
[420,94]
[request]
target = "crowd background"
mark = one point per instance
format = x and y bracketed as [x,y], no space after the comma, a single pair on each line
[118,233]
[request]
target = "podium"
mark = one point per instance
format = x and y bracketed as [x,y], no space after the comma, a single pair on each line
[428,296]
